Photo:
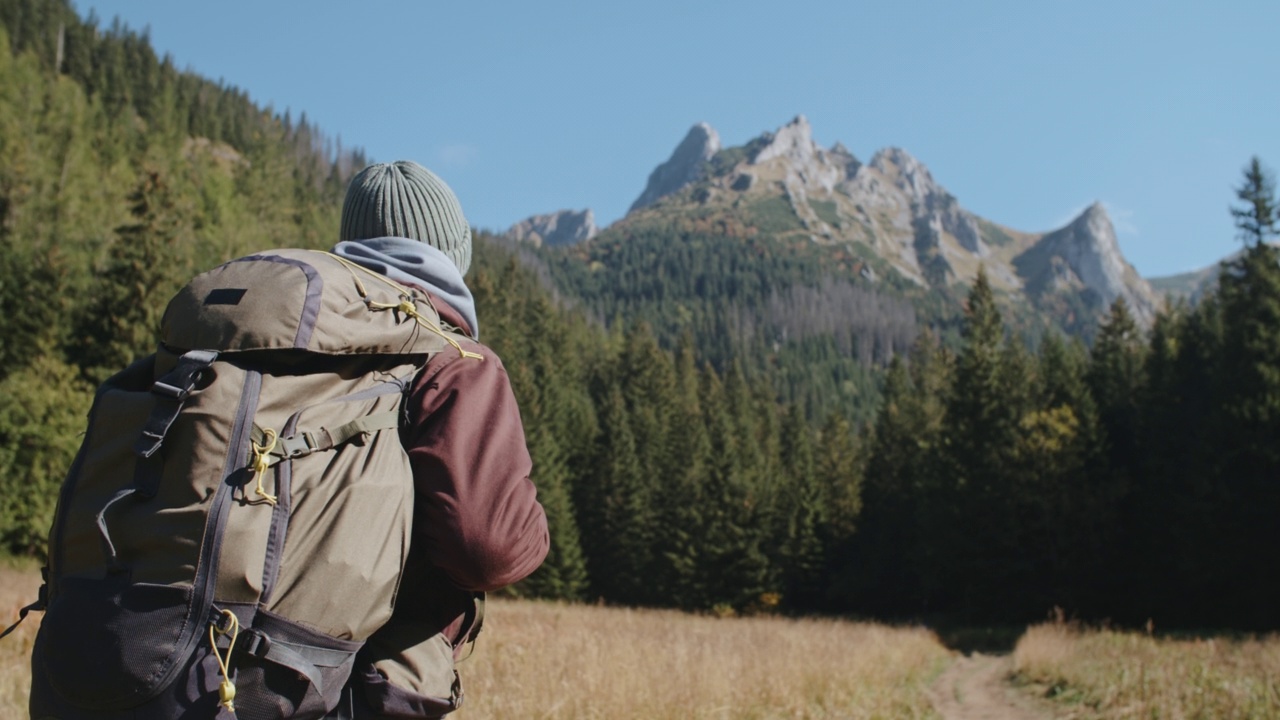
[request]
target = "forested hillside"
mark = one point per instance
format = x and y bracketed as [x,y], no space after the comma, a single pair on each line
[119,177]
[787,312]
[682,463]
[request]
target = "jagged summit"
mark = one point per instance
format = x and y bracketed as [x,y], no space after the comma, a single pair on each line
[564,227]
[1087,252]
[806,166]
[685,165]
[891,215]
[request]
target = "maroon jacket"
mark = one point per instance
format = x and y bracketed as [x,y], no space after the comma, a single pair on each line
[478,525]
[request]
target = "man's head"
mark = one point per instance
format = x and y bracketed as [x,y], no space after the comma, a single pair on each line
[404,199]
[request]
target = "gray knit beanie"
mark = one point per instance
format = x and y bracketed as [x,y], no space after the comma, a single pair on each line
[404,199]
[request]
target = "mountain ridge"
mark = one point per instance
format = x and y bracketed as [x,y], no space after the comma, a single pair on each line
[894,216]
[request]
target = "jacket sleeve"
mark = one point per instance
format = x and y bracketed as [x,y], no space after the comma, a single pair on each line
[476,511]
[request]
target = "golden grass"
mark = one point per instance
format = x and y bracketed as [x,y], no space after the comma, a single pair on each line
[549,660]
[1109,674]
[546,660]
[18,585]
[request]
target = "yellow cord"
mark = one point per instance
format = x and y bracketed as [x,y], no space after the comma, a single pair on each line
[262,461]
[405,305]
[227,689]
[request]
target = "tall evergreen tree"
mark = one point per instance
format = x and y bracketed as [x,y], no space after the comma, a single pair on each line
[800,517]
[838,466]
[1116,380]
[148,262]
[1256,219]
[1249,424]
[891,565]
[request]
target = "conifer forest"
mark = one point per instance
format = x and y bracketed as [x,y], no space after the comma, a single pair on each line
[948,469]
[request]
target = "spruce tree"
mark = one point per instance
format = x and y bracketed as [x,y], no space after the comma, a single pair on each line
[1116,380]
[982,548]
[1256,219]
[1249,424]
[838,466]
[619,525]
[800,516]
[147,263]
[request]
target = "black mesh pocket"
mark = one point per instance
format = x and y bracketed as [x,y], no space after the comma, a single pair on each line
[379,699]
[110,645]
[284,670]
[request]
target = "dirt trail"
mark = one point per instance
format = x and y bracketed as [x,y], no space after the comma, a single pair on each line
[976,688]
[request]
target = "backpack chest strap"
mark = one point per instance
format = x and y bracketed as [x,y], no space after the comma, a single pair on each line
[305,442]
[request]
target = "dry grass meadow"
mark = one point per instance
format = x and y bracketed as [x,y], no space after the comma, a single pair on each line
[547,660]
[550,660]
[543,660]
[1109,674]
[18,585]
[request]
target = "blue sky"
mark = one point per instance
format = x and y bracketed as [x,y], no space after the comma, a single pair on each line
[1026,111]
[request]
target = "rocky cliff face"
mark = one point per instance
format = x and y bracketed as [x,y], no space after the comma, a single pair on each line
[565,227]
[1085,252]
[895,215]
[805,164]
[684,167]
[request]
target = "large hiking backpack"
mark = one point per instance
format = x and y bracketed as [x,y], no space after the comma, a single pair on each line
[237,520]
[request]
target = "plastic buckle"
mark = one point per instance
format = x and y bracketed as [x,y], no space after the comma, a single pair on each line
[309,440]
[259,643]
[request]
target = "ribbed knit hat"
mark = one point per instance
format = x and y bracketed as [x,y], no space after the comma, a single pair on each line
[404,199]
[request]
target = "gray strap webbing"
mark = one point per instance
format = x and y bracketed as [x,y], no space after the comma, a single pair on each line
[302,659]
[301,444]
[171,391]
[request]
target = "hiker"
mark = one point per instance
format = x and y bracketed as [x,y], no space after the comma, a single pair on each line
[293,508]
[477,525]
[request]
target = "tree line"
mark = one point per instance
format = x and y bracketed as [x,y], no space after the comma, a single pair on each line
[1135,479]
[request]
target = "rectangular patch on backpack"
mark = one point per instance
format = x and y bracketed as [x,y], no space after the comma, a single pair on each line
[225,296]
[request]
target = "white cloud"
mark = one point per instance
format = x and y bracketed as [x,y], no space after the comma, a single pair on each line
[1123,220]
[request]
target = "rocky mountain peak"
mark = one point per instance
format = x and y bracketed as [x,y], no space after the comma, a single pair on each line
[893,214]
[808,168]
[685,165]
[564,227]
[793,141]
[909,174]
[1088,247]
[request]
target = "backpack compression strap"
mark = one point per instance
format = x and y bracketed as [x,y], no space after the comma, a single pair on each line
[301,444]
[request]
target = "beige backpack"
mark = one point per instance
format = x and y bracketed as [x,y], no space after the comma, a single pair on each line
[236,523]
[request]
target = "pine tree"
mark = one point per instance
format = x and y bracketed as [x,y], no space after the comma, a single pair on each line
[838,466]
[1256,220]
[1249,423]
[148,262]
[733,569]
[1116,379]
[801,518]
[563,574]
[618,528]
[981,549]
[893,564]
[681,504]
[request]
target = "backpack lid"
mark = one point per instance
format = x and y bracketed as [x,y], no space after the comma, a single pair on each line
[300,300]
